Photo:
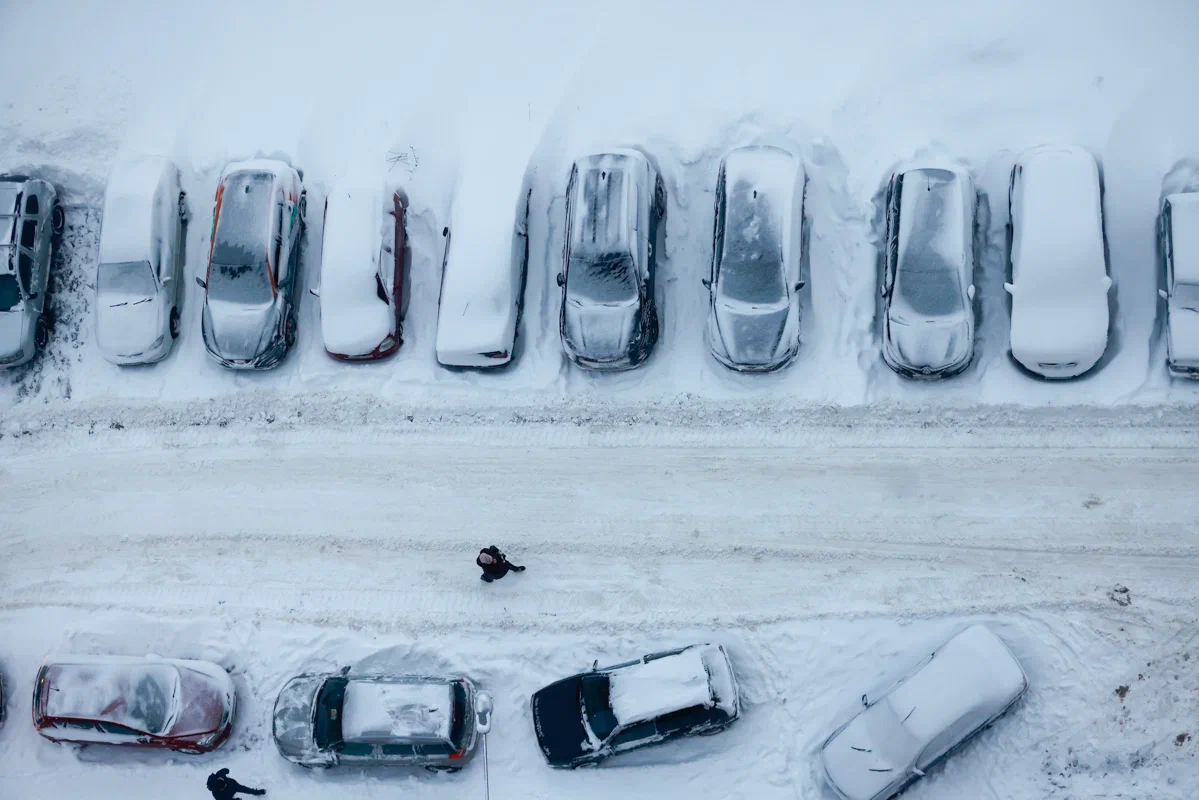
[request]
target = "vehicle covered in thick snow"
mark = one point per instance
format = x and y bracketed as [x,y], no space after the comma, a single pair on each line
[754,284]
[31,220]
[251,286]
[362,272]
[140,261]
[153,702]
[483,275]
[1179,247]
[586,718]
[615,204]
[928,268]
[964,686]
[1058,261]
[326,720]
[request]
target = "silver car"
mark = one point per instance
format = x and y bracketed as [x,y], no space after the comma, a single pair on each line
[141,256]
[753,286]
[335,719]
[927,282]
[250,292]
[615,203]
[31,220]
[958,691]
[1179,248]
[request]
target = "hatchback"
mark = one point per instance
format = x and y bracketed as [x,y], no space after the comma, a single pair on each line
[1179,248]
[31,220]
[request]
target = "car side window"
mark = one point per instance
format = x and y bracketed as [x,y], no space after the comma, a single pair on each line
[402,750]
[633,735]
[278,237]
[436,749]
[31,204]
[71,725]
[355,749]
[29,233]
[117,730]
[25,269]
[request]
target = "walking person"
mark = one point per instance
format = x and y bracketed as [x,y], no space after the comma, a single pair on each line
[495,564]
[225,788]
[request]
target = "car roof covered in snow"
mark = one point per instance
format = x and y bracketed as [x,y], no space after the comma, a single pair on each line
[354,321]
[604,202]
[1184,236]
[126,229]
[761,178]
[649,689]
[135,692]
[383,710]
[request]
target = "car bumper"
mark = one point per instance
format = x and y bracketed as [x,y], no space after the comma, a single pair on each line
[1183,370]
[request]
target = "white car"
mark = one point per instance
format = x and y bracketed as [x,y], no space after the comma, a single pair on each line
[1060,285]
[141,258]
[1179,231]
[965,685]
[483,275]
[362,272]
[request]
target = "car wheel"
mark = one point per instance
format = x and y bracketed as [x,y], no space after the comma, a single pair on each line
[58,220]
[289,331]
[713,731]
[659,199]
[174,323]
[183,206]
[188,751]
[433,768]
[41,335]
[304,208]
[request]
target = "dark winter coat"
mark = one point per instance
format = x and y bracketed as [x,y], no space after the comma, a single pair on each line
[499,566]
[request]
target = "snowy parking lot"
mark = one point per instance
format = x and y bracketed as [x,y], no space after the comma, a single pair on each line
[828,524]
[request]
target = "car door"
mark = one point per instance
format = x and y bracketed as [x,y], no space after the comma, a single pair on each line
[354,752]
[31,266]
[632,737]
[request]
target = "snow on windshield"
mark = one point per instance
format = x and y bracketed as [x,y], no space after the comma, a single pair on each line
[126,282]
[927,283]
[751,268]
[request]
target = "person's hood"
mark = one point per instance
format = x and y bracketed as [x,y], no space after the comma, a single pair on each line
[1184,336]
[752,336]
[242,333]
[600,333]
[853,764]
[128,326]
[930,345]
[558,723]
[12,333]
[293,718]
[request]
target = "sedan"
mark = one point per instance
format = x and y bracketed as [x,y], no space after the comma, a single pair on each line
[1179,247]
[250,303]
[137,702]
[615,203]
[753,286]
[959,690]
[1058,262]
[31,222]
[141,255]
[928,267]
[586,718]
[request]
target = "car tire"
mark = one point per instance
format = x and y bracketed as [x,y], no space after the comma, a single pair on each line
[304,208]
[58,220]
[174,323]
[182,206]
[289,331]
[659,199]
[435,769]
[41,334]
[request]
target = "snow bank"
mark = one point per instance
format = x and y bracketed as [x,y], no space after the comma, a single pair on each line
[382,709]
[354,320]
[649,690]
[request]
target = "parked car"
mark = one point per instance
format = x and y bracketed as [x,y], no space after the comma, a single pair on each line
[331,719]
[141,258]
[250,302]
[928,271]
[960,689]
[483,278]
[753,285]
[1179,231]
[586,718]
[362,272]
[615,203]
[137,702]
[1058,261]
[31,220]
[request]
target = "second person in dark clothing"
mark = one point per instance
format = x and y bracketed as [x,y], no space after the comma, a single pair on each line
[225,788]
[495,564]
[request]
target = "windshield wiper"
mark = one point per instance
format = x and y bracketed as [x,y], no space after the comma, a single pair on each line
[888,769]
[860,749]
[910,713]
[143,300]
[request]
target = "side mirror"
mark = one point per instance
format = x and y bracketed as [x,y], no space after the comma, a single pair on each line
[864,701]
[345,670]
[707,282]
[1163,294]
[800,284]
[882,290]
[1007,287]
[919,773]
[1107,283]
[33,296]
[970,291]
[595,665]
[561,279]
[200,282]
[315,291]
[483,708]
[445,231]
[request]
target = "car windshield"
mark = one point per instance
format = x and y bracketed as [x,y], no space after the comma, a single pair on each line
[125,283]
[594,693]
[606,280]
[240,272]
[327,720]
[10,292]
[751,264]
[1186,295]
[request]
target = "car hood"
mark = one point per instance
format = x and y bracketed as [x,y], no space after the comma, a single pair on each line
[1073,330]
[1184,336]
[935,344]
[241,333]
[853,764]
[558,723]
[751,335]
[12,332]
[128,329]
[600,333]
[293,725]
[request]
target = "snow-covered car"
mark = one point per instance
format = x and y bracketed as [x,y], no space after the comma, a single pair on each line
[1058,262]
[250,289]
[483,280]
[137,702]
[615,203]
[326,720]
[31,220]
[141,257]
[753,286]
[964,686]
[586,718]
[928,268]
[362,272]
[1179,247]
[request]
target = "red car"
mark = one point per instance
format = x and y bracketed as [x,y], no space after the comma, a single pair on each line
[139,702]
[362,272]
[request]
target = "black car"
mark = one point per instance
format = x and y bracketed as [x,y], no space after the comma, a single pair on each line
[586,718]
[615,203]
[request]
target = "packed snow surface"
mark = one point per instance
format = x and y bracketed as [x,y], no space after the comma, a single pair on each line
[374,710]
[651,689]
[354,319]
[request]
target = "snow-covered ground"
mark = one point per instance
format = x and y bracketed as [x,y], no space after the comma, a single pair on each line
[827,524]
